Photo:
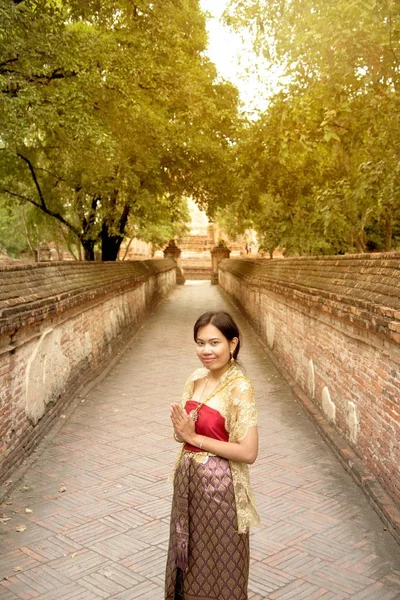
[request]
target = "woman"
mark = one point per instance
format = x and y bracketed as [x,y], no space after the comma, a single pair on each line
[212,508]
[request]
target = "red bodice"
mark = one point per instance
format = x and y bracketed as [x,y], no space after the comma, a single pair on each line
[209,423]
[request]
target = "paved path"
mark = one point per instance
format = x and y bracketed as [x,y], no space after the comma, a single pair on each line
[99,500]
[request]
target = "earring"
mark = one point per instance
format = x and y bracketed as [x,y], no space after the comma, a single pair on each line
[232,359]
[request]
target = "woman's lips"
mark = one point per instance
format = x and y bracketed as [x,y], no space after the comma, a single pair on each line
[208,360]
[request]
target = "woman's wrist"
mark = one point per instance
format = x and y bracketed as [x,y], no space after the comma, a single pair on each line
[198,441]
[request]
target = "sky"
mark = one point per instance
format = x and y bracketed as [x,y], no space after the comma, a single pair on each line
[234,58]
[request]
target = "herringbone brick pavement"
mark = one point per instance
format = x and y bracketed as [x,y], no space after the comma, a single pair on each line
[89,521]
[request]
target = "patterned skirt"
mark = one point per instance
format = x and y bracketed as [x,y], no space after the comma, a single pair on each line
[207,558]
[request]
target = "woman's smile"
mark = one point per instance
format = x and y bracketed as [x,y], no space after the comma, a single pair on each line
[213,348]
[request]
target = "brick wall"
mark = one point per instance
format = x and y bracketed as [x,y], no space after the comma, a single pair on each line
[333,325]
[60,325]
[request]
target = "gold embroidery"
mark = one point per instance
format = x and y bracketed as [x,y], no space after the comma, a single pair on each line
[237,406]
[199,457]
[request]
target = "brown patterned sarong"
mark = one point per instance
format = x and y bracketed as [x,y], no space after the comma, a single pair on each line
[207,558]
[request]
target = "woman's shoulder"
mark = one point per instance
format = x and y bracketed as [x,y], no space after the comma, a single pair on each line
[242,384]
[197,374]
[190,382]
[241,388]
[238,380]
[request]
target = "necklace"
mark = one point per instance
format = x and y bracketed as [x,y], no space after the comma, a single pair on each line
[194,414]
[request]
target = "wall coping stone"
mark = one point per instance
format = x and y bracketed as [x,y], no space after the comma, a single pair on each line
[361,288]
[31,293]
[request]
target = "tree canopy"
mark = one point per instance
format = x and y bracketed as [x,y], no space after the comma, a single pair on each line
[320,167]
[110,114]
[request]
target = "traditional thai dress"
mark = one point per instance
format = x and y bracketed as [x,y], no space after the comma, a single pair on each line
[212,507]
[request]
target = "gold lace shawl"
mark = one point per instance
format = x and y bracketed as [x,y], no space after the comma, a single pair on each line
[237,406]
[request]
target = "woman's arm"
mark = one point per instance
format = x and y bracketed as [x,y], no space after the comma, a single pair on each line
[244,451]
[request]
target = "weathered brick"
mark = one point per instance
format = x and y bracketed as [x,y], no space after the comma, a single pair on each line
[341,313]
[66,322]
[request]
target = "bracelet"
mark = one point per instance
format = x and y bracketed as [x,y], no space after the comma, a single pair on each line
[177,439]
[202,442]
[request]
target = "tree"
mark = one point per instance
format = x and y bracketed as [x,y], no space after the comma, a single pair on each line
[13,239]
[25,229]
[168,221]
[108,107]
[326,152]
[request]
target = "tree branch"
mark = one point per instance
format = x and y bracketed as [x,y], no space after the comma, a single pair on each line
[7,62]
[57,177]
[127,248]
[35,180]
[56,74]
[89,220]
[123,219]
[41,79]
[28,238]
[47,211]
[146,87]
[68,243]
[21,197]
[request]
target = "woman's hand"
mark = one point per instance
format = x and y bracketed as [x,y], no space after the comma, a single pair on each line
[184,426]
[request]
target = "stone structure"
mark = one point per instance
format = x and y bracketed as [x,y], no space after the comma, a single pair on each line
[5,259]
[196,247]
[44,252]
[332,324]
[218,254]
[60,325]
[135,249]
[172,251]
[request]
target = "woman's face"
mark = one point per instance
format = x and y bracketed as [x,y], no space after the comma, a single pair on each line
[213,349]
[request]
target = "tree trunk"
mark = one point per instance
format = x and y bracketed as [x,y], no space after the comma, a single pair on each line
[388,229]
[88,248]
[88,222]
[34,251]
[110,244]
[360,245]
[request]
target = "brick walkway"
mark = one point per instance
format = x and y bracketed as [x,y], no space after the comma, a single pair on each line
[98,499]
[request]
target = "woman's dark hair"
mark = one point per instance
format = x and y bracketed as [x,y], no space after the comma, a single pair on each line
[222,321]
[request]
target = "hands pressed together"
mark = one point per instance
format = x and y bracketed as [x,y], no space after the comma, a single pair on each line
[184,431]
[184,426]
